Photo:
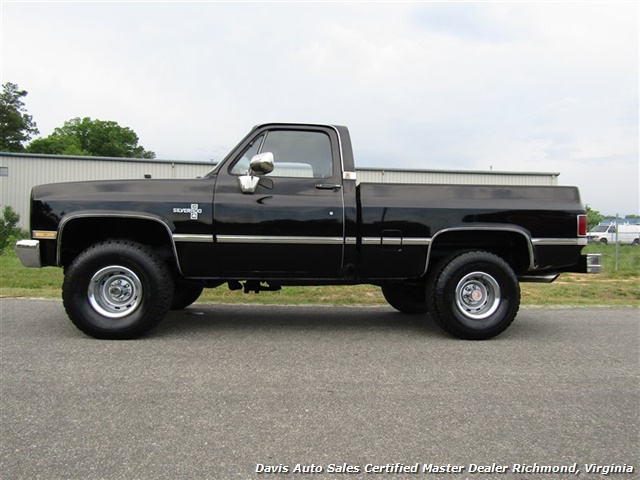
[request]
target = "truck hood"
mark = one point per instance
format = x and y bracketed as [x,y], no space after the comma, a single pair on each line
[159,198]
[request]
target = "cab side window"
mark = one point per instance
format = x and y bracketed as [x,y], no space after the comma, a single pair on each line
[295,154]
[299,154]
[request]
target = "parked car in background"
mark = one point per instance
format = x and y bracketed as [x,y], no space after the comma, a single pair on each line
[622,233]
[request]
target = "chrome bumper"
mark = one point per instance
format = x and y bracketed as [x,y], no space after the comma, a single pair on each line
[594,263]
[29,253]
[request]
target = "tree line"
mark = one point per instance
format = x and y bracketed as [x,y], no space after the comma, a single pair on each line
[77,136]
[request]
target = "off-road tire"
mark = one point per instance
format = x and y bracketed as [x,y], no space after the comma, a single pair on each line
[117,289]
[474,295]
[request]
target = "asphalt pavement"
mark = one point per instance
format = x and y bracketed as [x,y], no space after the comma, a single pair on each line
[234,391]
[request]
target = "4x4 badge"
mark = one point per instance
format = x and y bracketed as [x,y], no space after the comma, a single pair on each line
[194,211]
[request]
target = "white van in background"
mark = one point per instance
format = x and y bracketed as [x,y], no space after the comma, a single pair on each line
[627,234]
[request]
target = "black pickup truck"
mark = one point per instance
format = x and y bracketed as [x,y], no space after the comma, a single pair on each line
[284,208]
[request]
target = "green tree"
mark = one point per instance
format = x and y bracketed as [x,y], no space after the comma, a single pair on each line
[594,217]
[57,145]
[16,126]
[84,136]
[8,229]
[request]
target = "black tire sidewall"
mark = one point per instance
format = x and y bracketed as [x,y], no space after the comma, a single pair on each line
[448,314]
[184,295]
[409,299]
[157,290]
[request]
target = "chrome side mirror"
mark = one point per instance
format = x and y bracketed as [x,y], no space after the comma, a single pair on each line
[261,164]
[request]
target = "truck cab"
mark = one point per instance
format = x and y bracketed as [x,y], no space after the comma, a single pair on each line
[305,204]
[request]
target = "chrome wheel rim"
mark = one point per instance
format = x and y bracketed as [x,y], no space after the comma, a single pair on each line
[477,295]
[115,292]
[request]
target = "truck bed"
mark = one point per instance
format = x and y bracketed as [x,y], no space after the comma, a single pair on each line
[397,221]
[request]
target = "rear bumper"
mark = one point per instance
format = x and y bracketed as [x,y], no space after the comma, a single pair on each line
[594,262]
[29,253]
[589,263]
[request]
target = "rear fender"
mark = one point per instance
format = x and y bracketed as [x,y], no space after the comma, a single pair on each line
[463,238]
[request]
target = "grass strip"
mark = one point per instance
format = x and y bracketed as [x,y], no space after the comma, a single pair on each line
[613,288]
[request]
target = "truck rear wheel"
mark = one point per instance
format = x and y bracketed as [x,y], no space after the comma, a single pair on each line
[474,295]
[117,290]
[410,299]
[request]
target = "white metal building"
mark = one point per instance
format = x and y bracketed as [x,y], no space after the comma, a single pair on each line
[467,177]
[20,172]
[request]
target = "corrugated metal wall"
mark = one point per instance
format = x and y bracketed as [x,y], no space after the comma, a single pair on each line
[20,172]
[25,171]
[456,177]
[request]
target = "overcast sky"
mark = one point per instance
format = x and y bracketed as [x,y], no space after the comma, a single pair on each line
[550,87]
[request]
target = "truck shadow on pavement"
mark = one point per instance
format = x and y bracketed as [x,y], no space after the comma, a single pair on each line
[203,318]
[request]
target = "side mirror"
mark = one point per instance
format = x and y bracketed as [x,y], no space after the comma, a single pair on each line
[261,164]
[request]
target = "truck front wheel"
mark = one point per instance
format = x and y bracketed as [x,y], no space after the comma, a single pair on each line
[405,298]
[474,295]
[117,290]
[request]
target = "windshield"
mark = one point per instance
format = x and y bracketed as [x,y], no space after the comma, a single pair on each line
[600,229]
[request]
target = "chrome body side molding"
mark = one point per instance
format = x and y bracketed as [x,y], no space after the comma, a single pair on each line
[192,238]
[308,240]
[574,242]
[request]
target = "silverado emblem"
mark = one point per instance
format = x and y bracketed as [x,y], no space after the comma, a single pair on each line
[194,211]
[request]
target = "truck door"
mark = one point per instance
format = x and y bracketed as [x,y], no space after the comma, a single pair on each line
[294,221]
